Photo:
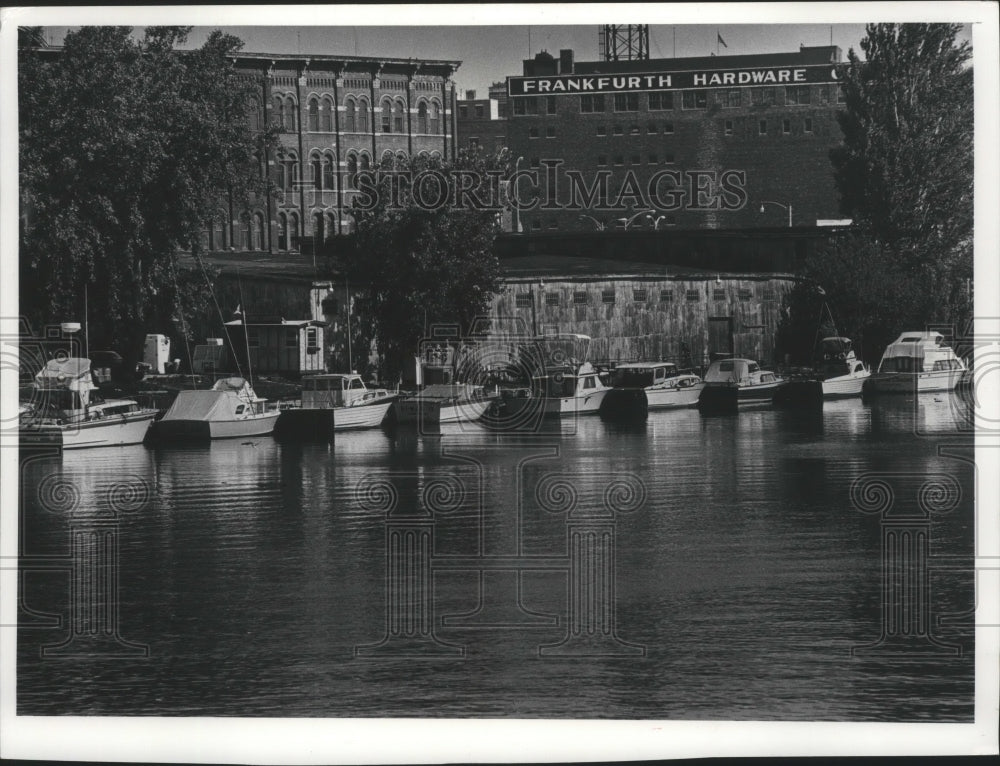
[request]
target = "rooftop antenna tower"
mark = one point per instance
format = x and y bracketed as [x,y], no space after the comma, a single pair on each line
[624,42]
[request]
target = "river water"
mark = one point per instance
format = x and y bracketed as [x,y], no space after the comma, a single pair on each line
[765,565]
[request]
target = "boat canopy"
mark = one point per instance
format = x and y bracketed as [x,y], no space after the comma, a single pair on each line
[914,345]
[72,373]
[217,404]
[730,370]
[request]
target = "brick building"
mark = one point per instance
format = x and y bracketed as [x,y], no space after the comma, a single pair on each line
[479,123]
[697,142]
[338,115]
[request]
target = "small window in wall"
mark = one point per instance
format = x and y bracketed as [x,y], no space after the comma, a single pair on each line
[550,132]
[532,132]
[729,127]
[536,224]
[581,297]
[639,295]
[291,338]
[550,105]
[523,300]
[652,128]
[746,294]
[668,128]
[718,294]
[608,296]
[551,299]
[617,130]
[636,159]
[768,294]
[602,159]
[786,126]
[659,100]
[666,296]
[694,99]
[619,159]
[807,125]
[693,295]
[312,337]
[602,130]
[762,127]
[653,159]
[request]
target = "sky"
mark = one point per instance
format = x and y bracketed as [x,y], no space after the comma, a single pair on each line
[491,53]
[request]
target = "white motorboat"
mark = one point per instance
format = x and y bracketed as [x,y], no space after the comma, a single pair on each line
[736,382]
[638,387]
[336,402]
[916,362]
[229,410]
[574,390]
[837,373]
[443,403]
[68,411]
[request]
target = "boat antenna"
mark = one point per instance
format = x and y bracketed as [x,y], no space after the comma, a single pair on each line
[217,307]
[350,356]
[246,333]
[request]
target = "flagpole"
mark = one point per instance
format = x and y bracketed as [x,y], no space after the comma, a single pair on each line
[717,38]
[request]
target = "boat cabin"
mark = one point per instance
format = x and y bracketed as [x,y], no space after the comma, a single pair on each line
[647,375]
[836,357]
[65,388]
[919,352]
[334,390]
[742,372]
[568,382]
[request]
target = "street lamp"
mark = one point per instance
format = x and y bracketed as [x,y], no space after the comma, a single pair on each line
[656,221]
[598,224]
[628,221]
[786,207]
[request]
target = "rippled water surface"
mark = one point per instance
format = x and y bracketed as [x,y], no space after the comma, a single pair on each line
[735,571]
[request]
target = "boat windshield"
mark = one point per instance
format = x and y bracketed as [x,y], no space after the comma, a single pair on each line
[901,364]
[59,399]
[632,377]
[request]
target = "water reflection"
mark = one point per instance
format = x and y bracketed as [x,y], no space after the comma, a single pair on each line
[253,569]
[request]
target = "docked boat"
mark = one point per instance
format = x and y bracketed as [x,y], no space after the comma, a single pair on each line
[737,382]
[573,390]
[333,402]
[68,411]
[916,362]
[443,403]
[638,387]
[837,373]
[230,409]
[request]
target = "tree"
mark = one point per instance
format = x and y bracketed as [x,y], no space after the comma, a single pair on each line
[125,144]
[905,169]
[426,255]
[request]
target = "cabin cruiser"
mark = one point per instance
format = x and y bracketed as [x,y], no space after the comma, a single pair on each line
[836,373]
[230,409]
[572,390]
[736,382]
[918,362]
[638,387]
[68,411]
[336,402]
[442,403]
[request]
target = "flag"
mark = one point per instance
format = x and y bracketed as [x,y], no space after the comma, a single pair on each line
[721,41]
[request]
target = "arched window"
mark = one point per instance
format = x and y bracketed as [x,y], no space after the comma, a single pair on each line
[366,161]
[350,122]
[246,232]
[261,167]
[253,114]
[282,231]
[331,227]
[278,116]
[401,160]
[329,172]
[288,119]
[293,230]
[387,159]
[317,229]
[397,117]
[316,164]
[314,114]
[223,221]
[422,118]
[435,123]
[363,113]
[292,171]
[326,115]
[260,242]
[386,116]
[352,169]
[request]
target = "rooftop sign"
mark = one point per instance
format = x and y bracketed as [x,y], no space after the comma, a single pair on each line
[557,85]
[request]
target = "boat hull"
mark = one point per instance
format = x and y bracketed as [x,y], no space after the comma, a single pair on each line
[113,431]
[916,382]
[368,415]
[816,389]
[430,411]
[728,396]
[203,430]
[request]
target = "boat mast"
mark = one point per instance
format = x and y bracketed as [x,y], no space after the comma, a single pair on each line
[350,356]
[246,333]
